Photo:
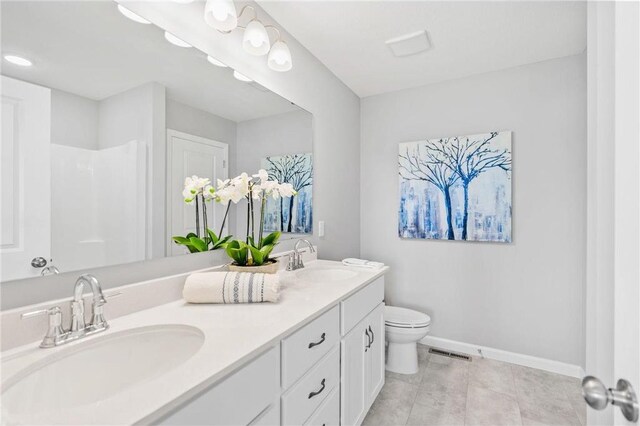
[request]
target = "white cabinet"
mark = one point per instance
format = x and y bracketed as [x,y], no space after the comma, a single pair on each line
[248,396]
[328,372]
[362,367]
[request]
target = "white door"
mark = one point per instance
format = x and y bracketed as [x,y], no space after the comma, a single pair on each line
[190,155]
[354,373]
[25,202]
[613,234]
[375,354]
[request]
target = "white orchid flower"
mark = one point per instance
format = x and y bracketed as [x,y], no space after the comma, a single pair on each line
[263,175]
[241,186]
[286,190]
[189,194]
[208,192]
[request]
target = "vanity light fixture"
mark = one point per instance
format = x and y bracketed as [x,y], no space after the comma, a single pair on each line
[18,60]
[241,77]
[133,16]
[216,62]
[221,15]
[175,40]
[256,40]
[280,57]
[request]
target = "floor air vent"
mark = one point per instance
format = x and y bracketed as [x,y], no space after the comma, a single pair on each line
[449,354]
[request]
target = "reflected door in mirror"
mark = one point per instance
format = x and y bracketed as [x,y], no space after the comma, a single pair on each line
[25,168]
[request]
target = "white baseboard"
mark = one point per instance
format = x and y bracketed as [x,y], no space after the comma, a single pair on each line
[505,356]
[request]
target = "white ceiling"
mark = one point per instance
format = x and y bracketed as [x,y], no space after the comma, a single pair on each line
[467,37]
[90,49]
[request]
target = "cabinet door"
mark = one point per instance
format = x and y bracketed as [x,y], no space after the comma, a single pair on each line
[354,374]
[375,354]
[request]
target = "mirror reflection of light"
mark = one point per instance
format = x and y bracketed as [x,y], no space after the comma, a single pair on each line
[241,77]
[216,62]
[18,60]
[133,16]
[175,40]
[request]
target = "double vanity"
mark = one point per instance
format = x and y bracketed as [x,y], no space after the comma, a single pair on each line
[315,357]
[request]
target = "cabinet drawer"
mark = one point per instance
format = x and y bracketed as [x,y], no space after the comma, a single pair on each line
[360,304]
[328,414]
[299,402]
[306,346]
[237,400]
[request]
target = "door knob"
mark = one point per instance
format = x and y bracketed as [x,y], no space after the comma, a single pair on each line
[38,262]
[598,396]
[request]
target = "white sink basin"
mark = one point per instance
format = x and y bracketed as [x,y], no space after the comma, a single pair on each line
[93,371]
[328,274]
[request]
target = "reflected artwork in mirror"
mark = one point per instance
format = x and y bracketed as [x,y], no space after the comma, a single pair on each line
[105,123]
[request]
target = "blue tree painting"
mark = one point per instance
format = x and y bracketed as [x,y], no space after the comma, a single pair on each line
[291,214]
[456,188]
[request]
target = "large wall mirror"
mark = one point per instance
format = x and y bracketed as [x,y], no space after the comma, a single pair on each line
[104,118]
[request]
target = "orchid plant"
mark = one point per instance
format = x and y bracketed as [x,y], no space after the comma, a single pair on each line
[255,189]
[199,191]
[258,188]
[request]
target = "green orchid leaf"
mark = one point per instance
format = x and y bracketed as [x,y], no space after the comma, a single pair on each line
[198,243]
[213,236]
[271,239]
[222,243]
[256,255]
[238,251]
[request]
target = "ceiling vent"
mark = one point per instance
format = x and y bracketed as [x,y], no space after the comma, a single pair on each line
[409,44]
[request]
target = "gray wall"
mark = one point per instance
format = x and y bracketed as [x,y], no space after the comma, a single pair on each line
[524,297]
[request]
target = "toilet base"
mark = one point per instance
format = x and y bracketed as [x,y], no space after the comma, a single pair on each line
[402,358]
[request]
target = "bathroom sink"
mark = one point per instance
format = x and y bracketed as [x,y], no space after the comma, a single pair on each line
[93,371]
[325,274]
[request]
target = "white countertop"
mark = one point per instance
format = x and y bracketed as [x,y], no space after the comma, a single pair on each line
[234,334]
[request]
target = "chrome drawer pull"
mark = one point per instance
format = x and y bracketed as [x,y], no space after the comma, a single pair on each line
[318,342]
[312,394]
[373,337]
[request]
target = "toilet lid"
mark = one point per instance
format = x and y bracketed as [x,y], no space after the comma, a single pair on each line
[403,317]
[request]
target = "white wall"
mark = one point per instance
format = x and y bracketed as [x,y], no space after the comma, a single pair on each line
[74,120]
[526,297]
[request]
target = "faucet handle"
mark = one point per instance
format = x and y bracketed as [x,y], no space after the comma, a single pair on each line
[98,321]
[55,332]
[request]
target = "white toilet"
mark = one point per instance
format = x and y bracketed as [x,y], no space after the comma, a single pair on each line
[403,328]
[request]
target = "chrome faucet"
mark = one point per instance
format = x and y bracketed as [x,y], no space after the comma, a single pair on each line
[295,257]
[78,326]
[56,334]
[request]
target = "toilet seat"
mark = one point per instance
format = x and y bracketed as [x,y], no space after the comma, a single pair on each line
[397,317]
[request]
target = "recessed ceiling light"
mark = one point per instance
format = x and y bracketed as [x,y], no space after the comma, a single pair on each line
[215,62]
[241,77]
[133,16]
[175,40]
[18,60]
[409,44]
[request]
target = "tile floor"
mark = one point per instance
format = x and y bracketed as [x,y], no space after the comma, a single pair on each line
[447,391]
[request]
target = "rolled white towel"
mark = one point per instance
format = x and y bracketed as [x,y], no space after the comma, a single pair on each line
[231,287]
[362,263]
